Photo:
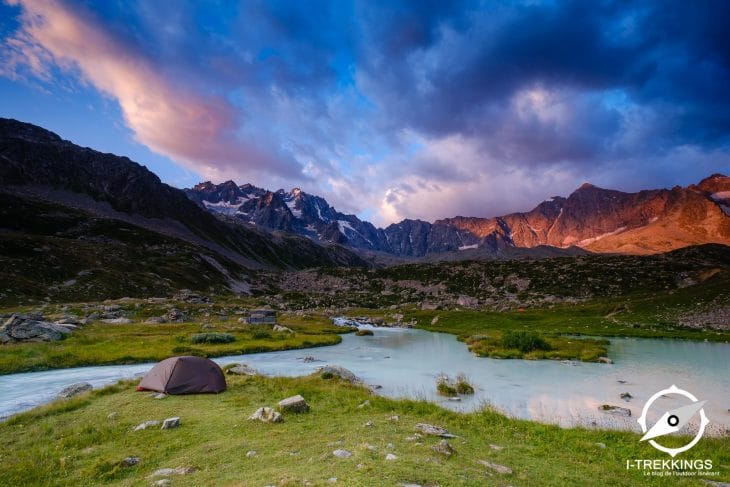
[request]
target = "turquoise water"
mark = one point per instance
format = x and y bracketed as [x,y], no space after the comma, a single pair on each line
[406,363]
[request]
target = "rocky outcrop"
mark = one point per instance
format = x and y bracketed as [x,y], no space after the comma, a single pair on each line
[330,371]
[75,390]
[21,328]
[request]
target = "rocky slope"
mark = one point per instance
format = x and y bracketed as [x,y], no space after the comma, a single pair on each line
[63,197]
[591,218]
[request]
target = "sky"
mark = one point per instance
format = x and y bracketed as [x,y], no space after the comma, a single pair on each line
[388,109]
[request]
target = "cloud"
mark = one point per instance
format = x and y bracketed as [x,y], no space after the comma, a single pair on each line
[399,108]
[198,130]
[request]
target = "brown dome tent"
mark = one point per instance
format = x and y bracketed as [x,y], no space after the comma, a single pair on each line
[184,375]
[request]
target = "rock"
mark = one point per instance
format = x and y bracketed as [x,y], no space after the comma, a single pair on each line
[435,320]
[364,332]
[427,305]
[117,321]
[146,424]
[340,372]
[444,448]
[496,447]
[22,328]
[170,423]
[130,462]
[369,424]
[604,360]
[390,457]
[614,410]
[395,418]
[569,362]
[340,453]
[166,472]
[162,483]
[601,445]
[455,399]
[282,329]
[389,446]
[75,389]
[267,415]
[68,320]
[251,453]
[375,387]
[496,467]
[467,302]
[332,480]
[294,404]
[626,396]
[621,381]
[309,359]
[189,296]
[175,315]
[364,404]
[155,320]
[207,326]
[241,369]
[112,415]
[159,395]
[429,429]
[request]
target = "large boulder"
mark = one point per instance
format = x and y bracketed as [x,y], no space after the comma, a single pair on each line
[294,404]
[241,369]
[20,328]
[330,371]
[267,415]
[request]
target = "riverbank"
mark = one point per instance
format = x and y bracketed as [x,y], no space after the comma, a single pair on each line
[82,441]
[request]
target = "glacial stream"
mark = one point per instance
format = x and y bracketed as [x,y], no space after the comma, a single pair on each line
[406,363]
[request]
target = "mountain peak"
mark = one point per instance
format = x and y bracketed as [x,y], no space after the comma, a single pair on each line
[585,186]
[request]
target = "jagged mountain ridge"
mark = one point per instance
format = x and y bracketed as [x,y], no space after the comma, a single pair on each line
[592,218]
[36,164]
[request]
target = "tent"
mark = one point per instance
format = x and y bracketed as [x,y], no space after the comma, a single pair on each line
[184,375]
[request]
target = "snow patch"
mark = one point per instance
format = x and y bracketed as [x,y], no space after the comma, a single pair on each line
[468,247]
[225,207]
[589,241]
[721,195]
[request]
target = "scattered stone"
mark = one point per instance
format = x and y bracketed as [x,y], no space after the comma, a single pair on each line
[170,423]
[294,404]
[166,472]
[604,360]
[189,296]
[375,387]
[175,315]
[147,424]
[615,410]
[496,467]
[31,328]
[251,453]
[496,447]
[601,445]
[130,461]
[332,480]
[429,429]
[369,424]
[569,362]
[389,446]
[207,326]
[282,329]
[241,369]
[415,437]
[364,332]
[309,359]
[371,447]
[162,483]
[75,389]
[390,457]
[621,381]
[267,415]
[112,415]
[435,320]
[159,395]
[455,399]
[340,453]
[626,396]
[444,448]
[364,405]
[155,320]
[340,372]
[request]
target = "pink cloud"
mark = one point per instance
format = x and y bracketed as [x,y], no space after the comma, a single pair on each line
[198,131]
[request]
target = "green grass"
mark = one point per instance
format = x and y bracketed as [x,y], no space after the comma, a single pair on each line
[73,442]
[101,343]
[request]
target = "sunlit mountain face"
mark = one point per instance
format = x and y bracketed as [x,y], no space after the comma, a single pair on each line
[388,110]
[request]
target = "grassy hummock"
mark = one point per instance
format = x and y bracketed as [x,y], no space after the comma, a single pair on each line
[80,442]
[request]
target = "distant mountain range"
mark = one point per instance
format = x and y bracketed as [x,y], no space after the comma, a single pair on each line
[591,218]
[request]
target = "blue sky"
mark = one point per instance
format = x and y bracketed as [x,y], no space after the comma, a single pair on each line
[388,109]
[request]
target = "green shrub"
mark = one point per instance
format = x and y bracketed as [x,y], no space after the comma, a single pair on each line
[188,351]
[524,341]
[260,334]
[463,386]
[327,375]
[446,389]
[212,338]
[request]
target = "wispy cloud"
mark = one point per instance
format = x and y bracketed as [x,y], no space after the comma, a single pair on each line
[200,131]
